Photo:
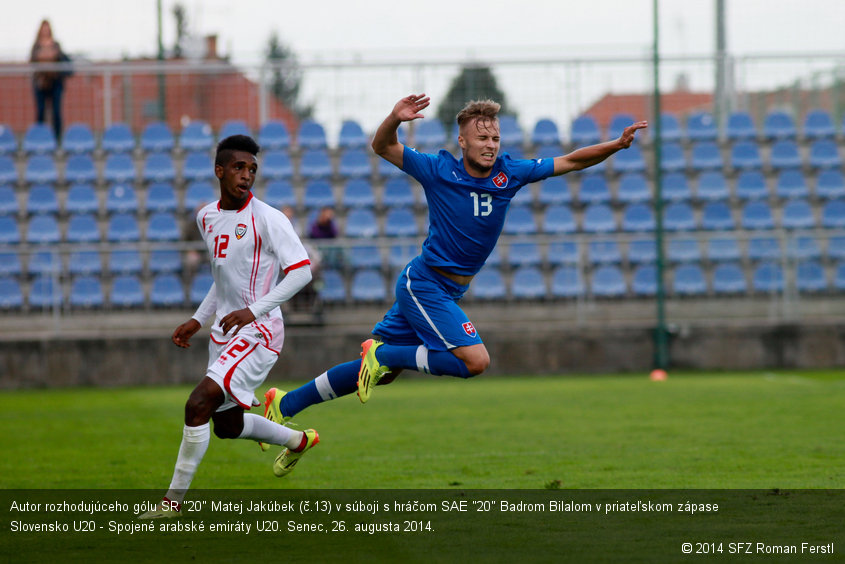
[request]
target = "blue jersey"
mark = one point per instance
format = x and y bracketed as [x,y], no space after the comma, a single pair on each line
[466,214]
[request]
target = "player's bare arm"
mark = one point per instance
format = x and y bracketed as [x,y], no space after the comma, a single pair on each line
[594,154]
[385,141]
[182,335]
[237,319]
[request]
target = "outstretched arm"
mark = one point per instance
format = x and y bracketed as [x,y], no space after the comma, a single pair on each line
[594,154]
[385,142]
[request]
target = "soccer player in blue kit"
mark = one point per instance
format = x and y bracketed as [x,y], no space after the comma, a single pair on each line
[426,330]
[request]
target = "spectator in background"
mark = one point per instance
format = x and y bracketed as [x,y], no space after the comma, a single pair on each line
[323,226]
[48,84]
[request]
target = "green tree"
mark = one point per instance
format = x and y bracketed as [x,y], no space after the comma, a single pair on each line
[473,83]
[286,77]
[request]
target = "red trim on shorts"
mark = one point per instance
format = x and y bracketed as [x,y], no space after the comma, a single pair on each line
[297,265]
[211,336]
[227,379]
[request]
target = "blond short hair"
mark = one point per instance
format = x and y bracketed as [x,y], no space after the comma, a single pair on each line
[484,110]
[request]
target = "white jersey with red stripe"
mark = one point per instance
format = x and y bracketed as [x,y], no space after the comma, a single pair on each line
[248,248]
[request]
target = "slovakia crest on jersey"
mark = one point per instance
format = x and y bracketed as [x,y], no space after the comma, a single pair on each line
[500,180]
[469,329]
[240,230]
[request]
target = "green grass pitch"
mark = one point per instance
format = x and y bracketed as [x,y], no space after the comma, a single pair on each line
[721,430]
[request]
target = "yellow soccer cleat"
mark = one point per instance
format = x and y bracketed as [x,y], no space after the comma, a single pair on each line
[273,410]
[164,510]
[371,370]
[287,459]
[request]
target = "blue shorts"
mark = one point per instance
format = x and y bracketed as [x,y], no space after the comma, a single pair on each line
[426,312]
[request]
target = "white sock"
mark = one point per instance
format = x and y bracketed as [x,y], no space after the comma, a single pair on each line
[193,447]
[258,428]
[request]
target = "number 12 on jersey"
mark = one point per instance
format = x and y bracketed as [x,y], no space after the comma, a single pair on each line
[482,204]
[221,243]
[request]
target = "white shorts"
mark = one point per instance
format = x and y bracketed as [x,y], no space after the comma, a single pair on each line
[239,367]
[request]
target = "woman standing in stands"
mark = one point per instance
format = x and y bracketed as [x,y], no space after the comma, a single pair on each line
[48,84]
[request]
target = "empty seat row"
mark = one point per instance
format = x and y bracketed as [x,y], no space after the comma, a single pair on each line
[86,228]
[91,261]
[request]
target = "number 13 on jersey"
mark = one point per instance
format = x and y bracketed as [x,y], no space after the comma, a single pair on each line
[482,204]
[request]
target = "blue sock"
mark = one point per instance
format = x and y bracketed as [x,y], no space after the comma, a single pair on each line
[338,381]
[419,358]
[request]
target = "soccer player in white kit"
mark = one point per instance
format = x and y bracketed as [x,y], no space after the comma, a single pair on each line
[249,242]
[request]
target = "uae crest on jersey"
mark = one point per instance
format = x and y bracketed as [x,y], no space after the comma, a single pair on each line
[240,230]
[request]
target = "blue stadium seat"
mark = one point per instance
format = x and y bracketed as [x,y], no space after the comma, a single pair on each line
[642,251]
[10,232]
[233,127]
[355,163]
[8,171]
[333,289]
[86,292]
[199,193]
[594,190]
[162,226]
[318,193]
[429,134]
[723,249]
[608,282]
[764,248]
[751,185]
[43,230]
[400,255]
[352,136]
[42,199]
[629,160]
[495,258]
[689,280]
[836,248]
[562,252]
[279,193]
[757,215]
[701,127]
[745,155]
[276,165]
[83,228]
[158,167]
[361,222]
[545,132]
[119,167]
[161,198]
[644,280]
[315,163]
[683,250]
[200,285]
[798,214]
[400,222]
[196,136]
[44,292]
[791,184]
[398,193]
[368,286]
[123,228]
[39,139]
[833,214]
[118,138]
[358,193]
[558,220]
[41,168]
[706,156]
[198,166]
[78,139]
[126,291]
[717,216]
[604,252]
[633,188]
[818,124]
[618,123]
[11,295]
[554,191]
[273,135]
[364,256]
[489,284]
[165,261]
[830,184]
[528,283]
[167,291]
[824,154]
[567,282]
[839,277]
[84,262]
[670,128]
[311,135]
[810,277]
[679,216]
[803,248]
[387,170]
[524,253]
[520,221]
[637,218]
[8,201]
[510,132]
[785,155]
[80,168]
[10,264]
[585,131]
[157,138]
[524,196]
[767,277]
[672,158]
[728,278]
[598,218]
[712,186]
[675,187]
[779,125]
[127,261]
[8,142]
[121,198]
[740,127]
[44,263]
